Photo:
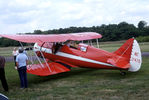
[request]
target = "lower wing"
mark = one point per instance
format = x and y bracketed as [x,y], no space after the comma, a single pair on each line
[44,70]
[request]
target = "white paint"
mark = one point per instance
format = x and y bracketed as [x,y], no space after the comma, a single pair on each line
[82,59]
[136,58]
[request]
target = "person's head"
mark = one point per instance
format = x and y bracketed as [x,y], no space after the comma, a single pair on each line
[21,50]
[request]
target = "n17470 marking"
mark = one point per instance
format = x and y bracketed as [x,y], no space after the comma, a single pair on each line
[136,60]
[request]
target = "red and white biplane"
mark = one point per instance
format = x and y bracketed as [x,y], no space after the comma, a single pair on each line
[59,57]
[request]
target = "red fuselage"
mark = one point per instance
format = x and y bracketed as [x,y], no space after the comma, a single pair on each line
[82,56]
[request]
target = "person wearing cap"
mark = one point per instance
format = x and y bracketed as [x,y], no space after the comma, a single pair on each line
[22,61]
[2,73]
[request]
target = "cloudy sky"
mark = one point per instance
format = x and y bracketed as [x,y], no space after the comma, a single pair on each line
[20,16]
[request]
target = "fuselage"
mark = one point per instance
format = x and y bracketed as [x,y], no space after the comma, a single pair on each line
[82,56]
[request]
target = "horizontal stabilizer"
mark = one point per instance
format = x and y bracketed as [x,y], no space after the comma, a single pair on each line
[119,63]
[54,68]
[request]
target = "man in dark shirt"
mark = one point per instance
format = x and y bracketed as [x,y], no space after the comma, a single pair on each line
[2,73]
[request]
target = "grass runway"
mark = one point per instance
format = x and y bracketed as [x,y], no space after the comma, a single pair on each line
[82,84]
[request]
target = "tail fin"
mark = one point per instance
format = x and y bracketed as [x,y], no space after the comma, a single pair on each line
[125,49]
[131,50]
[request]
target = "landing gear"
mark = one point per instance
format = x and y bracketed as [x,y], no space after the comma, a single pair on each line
[122,73]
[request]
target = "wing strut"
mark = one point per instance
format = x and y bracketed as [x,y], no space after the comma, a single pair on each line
[21,44]
[90,42]
[44,58]
[31,57]
[97,43]
[38,59]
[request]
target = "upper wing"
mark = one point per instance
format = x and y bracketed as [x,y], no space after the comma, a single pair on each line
[54,37]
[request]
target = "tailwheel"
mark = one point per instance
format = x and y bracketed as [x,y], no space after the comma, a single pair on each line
[122,73]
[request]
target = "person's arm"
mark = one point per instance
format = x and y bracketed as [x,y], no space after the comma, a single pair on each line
[27,62]
[17,65]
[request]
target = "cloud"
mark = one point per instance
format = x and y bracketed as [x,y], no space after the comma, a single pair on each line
[28,15]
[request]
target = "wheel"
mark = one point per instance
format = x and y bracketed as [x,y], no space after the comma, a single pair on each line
[123,73]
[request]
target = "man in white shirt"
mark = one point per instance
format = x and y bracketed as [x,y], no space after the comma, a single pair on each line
[22,61]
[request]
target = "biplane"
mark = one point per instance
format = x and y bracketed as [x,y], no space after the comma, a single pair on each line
[60,57]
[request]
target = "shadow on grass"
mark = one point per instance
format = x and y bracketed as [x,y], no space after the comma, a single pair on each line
[75,72]
[81,72]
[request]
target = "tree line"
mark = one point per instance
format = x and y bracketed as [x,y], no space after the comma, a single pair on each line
[111,32]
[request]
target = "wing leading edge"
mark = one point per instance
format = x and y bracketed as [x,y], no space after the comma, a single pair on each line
[54,37]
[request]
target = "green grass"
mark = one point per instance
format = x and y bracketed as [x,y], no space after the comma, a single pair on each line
[112,46]
[82,83]
[144,46]
[6,51]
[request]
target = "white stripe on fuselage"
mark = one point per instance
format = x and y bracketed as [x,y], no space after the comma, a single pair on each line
[81,58]
[75,57]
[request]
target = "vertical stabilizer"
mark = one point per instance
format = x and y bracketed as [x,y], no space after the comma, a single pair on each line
[125,49]
[136,57]
[131,51]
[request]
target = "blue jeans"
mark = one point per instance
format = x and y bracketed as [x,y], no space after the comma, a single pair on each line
[23,76]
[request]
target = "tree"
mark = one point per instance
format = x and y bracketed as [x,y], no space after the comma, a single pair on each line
[142,24]
[37,32]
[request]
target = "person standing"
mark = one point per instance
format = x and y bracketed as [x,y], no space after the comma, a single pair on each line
[21,61]
[15,53]
[2,73]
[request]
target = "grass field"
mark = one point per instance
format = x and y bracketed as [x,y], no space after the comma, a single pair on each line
[112,46]
[82,84]
[109,46]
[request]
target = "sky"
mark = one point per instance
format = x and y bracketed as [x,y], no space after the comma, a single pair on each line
[22,16]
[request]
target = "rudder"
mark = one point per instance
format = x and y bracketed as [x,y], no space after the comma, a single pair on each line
[136,57]
[131,50]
